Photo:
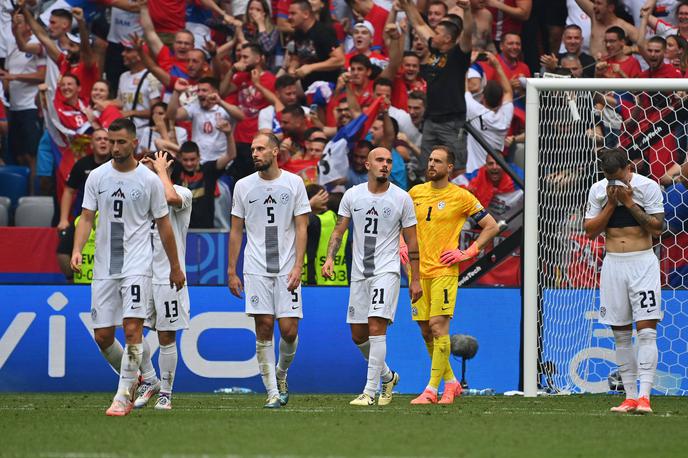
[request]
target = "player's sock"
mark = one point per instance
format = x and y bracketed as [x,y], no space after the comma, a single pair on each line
[440,360]
[386,372]
[266,363]
[376,362]
[286,356]
[147,370]
[628,366]
[430,346]
[131,361]
[647,360]
[167,359]
[113,355]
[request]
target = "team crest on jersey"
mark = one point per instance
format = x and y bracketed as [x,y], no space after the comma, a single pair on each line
[135,194]
[351,310]
[441,205]
[414,311]
[603,312]
[372,211]
[284,198]
[254,300]
[386,212]
[269,200]
[94,314]
[118,193]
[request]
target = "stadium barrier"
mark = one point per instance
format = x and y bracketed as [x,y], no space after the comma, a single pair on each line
[46,342]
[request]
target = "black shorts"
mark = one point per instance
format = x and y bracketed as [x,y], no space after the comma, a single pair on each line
[25,132]
[65,241]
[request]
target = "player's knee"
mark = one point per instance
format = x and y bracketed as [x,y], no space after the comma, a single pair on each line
[167,337]
[104,338]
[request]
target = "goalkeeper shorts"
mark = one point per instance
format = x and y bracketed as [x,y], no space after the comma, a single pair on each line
[439,298]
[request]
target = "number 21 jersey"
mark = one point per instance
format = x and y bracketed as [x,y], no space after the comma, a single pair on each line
[268,209]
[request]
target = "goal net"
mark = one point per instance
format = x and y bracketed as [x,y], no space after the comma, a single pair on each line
[567,122]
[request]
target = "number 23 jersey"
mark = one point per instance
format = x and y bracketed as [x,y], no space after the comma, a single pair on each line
[268,209]
[378,220]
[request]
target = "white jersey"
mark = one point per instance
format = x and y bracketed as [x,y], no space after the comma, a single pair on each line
[18,62]
[126,91]
[123,24]
[211,142]
[126,202]
[378,220]
[180,217]
[268,209]
[493,125]
[646,193]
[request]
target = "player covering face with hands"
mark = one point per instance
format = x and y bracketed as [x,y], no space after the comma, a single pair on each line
[380,212]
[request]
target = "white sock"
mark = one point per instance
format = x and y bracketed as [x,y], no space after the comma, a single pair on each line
[376,361]
[625,358]
[286,356]
[113,355]
[386,373]
[647,360]
[266,363]
[131,361]
[147,370]
[167,359]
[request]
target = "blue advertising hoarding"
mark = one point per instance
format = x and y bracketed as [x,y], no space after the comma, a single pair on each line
[46,342]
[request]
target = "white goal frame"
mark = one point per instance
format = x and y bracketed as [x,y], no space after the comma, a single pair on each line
[531,236]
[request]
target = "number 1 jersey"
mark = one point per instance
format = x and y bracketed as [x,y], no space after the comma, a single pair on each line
[268,209]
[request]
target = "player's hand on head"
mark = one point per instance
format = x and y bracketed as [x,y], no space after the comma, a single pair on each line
[161,164]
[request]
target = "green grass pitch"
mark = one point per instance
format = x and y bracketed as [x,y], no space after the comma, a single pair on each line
[74,425]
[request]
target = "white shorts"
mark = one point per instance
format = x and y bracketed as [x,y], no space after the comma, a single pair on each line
[375,296]
[170,309]
[269,296]
[114,300]
[630,288]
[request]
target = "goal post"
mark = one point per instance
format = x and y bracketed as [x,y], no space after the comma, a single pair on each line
[563,120]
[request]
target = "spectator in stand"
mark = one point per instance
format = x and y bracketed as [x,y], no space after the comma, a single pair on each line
[294,125]
[206,113]
[677,53]
[258,28]
[156,35]
[492,117]
[363,39]
[416,109]
[22,75]
[616,64]
[403,68]
[199,13]
[286,93]
[445,75]
[572,40]
[101,111]
[160,133]
[509,16]
[572,63]
[482,26]
[359,78]
[316,55]
[383,88]
[367,10]
[654,53]
[138,90]
[665,29]
[124,22]
[515,69]
[247,89]
[357,171]
[437,10]
[602,14]
[70,204]
[202,177]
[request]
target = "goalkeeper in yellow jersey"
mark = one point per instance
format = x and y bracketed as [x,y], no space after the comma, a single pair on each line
[441,210]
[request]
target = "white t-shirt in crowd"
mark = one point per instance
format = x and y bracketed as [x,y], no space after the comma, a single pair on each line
[147,136]
[377,223]
[180,217]
[268,209]
[492,125]
[126,202]
[210,140]
[267,119]
[123,24]
[150,89]
[22,94]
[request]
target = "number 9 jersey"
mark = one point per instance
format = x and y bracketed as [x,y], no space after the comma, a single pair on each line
[268,209]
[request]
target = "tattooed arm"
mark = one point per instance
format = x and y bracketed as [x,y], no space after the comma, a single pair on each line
[653,224]
[334,244]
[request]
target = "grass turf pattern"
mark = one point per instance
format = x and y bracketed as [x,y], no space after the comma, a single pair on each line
[74,425]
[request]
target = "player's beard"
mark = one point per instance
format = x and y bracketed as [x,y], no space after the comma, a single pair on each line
[121,159]
[263,166]
[438,176]
[381,179]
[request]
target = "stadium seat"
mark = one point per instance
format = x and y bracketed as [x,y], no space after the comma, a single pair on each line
[18,169]
[13,185]
[34,214]
[42,200]
[4,215]
[5,202]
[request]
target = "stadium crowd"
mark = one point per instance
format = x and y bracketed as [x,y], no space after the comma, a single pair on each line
[332,78]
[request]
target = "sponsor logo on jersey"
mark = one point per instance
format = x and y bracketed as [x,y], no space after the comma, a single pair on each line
[118,193]
[269,200]
[372,211]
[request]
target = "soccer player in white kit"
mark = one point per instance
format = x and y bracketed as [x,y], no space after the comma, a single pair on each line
[273,205]
[629,209]
[169,307]
[380,212]
[127,196]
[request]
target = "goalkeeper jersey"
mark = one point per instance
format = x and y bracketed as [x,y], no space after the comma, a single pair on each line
[441,214]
